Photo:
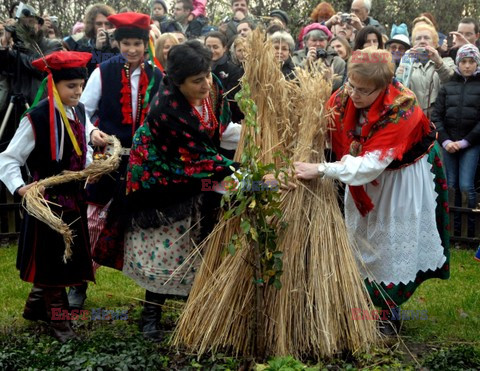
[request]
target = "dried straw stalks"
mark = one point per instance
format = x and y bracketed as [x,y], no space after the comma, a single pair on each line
[36,205]
[311,316]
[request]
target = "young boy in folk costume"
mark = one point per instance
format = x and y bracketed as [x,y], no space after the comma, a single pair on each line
[117,94]
[53,137]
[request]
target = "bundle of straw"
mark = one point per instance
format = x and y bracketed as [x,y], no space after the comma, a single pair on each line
[36,205]
[311,315]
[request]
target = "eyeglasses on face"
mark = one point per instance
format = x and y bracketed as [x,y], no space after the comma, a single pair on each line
[352,90]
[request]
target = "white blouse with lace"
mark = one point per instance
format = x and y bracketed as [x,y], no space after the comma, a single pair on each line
[399,237]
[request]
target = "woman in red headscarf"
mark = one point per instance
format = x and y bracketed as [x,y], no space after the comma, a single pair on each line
[396,200]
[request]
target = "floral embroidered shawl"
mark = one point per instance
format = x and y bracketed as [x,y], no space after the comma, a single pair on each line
[172,152]
[393,124]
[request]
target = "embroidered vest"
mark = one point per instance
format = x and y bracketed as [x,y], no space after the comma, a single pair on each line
[40,161]
[109,107]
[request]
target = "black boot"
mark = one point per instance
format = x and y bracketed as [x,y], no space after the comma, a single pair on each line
[56,303]
[77,296]
[35,306]
[151,316]
[391,326]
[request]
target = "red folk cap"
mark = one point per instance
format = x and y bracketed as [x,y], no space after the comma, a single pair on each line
[62,60]
[130,20]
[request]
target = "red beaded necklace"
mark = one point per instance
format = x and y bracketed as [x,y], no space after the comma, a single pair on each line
[208,121]
[126,97]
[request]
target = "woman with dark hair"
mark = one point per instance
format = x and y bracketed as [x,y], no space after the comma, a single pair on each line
[175,159]
[368,36]
[394,203]
[228,73]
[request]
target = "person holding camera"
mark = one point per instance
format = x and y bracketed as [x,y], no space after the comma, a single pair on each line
[98,36]
[50,27]
[422,69]
[23,42]
[361,9]
[316,52]
[344,24]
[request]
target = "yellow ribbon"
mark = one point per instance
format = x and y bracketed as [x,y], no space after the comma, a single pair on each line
[63,114]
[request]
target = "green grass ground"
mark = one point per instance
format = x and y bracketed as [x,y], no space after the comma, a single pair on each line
[112,291]
[452,307]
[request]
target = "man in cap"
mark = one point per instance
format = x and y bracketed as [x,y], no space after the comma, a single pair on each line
[23,42]
[281,17]
[398,45]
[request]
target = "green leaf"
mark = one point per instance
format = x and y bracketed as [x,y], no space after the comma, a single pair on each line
[278,264]
[245,226]
[277,284]
[228,214]
[231,248]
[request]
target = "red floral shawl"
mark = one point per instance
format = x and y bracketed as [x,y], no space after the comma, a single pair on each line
[394,123]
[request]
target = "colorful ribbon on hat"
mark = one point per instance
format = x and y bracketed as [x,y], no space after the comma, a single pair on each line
[66,122]
[54,102]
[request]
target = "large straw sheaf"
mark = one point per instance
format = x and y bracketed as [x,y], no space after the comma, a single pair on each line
[311,315]
[36,205]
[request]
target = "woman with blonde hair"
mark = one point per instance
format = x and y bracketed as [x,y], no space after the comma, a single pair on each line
[390,161]
[237,51]
[163,45]
[422,69]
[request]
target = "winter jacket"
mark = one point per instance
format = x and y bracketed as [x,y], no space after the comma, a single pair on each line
[288,69]
[457,110]
[425,81]
[229,75]
[17,64]
[332,60]
[232,24]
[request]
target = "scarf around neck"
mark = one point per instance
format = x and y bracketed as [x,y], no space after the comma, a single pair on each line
[393,124]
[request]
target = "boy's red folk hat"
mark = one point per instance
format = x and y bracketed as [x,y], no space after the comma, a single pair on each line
[62,60]
[131,25]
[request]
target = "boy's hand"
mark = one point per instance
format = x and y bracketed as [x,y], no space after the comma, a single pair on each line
[21,191]
[98,138]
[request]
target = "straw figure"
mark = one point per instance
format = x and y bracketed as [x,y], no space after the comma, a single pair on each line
[311,314]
